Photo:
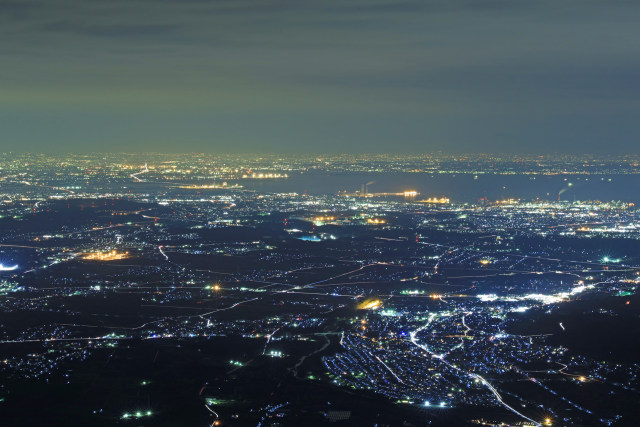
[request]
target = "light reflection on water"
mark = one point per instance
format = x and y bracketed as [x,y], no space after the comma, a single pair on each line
[464,187]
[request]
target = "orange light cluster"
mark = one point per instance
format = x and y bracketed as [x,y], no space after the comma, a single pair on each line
[370,305]
[437,201]
[265,175]
[209,186]
[376,221]
[106,256]
[325,218]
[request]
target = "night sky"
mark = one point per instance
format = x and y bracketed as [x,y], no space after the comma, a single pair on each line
[320,76]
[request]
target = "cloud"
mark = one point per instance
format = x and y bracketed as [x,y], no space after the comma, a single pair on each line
[425,74]
[114,30]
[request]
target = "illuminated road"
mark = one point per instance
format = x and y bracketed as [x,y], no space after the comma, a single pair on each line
[166,257]
[143,171]
[484,382]
[485,252]
[294,369]
[133,328]
[269,336]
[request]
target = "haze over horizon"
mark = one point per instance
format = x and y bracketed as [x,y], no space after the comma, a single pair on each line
[305,77]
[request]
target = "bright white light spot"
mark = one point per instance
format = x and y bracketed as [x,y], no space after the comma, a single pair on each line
[488,297]
[3,268]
